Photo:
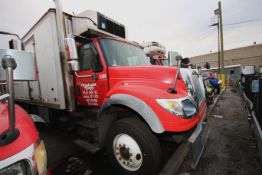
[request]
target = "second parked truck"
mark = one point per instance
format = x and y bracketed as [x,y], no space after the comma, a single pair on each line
[107,87]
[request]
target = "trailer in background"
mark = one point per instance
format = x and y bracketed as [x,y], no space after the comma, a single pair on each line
[233,73]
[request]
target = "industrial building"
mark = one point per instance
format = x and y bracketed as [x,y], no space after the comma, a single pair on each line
[250,55]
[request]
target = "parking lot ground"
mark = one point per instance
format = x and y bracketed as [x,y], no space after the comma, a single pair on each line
[61,148]
[230,147]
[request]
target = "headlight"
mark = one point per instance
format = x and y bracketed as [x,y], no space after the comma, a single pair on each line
[171,105]
[18,168]
[189,108]
[40,158]
[183,107]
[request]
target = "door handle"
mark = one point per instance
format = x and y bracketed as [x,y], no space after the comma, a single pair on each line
[95,76]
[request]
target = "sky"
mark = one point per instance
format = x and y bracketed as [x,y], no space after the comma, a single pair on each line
[180,25]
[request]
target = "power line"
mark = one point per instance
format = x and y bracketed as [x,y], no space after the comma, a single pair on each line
[242,22]
[193,44]
[197,38]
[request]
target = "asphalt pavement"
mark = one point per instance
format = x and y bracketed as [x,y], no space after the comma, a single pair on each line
[230,146]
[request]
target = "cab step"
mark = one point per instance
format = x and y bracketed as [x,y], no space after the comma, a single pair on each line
[66,124]
[90,124]
[90,147]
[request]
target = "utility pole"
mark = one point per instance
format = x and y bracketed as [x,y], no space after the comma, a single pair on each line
[220,24]
[218,43]
[218,52]
[218,13]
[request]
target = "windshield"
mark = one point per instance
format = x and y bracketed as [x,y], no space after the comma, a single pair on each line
[118,53]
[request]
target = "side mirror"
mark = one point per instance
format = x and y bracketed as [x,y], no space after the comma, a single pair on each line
[73,65]
[172,58]
[25,70]
[72,56]
[179,58]
[207,65]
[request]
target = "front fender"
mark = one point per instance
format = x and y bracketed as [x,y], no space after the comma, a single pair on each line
[139,106]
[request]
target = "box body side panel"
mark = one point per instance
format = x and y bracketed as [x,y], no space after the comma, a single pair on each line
[43,41]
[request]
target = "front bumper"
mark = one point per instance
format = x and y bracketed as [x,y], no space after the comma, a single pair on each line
[190,149]
[24,158]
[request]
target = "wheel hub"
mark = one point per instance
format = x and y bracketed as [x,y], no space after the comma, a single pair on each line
[124,152]
[127,152]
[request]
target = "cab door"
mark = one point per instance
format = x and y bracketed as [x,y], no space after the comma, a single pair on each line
[91,82]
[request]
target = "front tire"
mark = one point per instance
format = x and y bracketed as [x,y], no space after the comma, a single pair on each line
[133,148]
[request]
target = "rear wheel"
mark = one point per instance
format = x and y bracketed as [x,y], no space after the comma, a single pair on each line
[133,148]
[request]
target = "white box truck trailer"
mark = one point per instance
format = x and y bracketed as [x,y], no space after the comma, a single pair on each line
[51,88]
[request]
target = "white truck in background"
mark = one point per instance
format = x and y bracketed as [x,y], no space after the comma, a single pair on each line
[156,53]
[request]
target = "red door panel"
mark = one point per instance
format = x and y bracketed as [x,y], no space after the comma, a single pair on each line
[91,82]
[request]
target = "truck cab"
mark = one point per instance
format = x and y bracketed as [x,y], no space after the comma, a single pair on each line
[119,100]
[111,67]
[117,79]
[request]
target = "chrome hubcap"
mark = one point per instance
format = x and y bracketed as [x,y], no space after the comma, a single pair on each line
[127,152]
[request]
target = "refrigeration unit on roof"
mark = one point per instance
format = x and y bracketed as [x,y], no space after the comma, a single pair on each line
[90,19]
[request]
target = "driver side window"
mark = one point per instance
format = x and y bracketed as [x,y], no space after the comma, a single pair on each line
[88,57]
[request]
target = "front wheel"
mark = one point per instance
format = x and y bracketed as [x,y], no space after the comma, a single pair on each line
[133,148]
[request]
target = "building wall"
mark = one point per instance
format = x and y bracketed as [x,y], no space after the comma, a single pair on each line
[251,55]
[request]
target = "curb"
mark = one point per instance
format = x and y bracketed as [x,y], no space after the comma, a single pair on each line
[211,107]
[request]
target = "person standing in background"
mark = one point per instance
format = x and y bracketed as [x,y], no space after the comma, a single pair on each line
[214,83]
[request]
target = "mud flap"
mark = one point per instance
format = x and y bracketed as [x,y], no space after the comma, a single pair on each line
[197,143]
[190,150]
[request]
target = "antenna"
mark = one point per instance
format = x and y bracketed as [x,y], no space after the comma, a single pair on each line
[172,90]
